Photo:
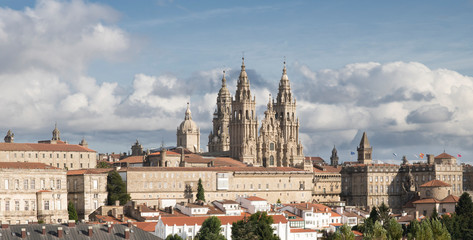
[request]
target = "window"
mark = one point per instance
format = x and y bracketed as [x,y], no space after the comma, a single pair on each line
[51,183]
[6,184]
[58,184]
[72,165]
[33,205]
[17,184]
[271,160]
[271,146]
[7,205]
[96,184]
[33,184]
[17,205]
[46,205]
[25,184]
[27,205]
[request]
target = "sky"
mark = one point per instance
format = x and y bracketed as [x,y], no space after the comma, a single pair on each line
[114,72]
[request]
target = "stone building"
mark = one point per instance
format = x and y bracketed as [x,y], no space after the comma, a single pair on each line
[188,134]
[87,190]
[52,152]
[277,143]
[149,184]
[327,184]
[32,192]
[367,185]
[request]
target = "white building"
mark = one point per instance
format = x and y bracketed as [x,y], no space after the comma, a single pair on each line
[254,204]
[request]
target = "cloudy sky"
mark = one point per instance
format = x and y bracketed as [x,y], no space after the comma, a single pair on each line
[117,71]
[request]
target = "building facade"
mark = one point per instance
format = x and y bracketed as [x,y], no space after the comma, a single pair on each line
[54,152]
[368,185]
[87,190]
[32,192]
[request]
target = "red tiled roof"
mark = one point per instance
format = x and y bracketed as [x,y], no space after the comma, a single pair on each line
[336,224]
[146,226]
[89,171]
[131,159]
[300,230]
[357,233]
[315,159]
[435,183]
[26,165]
[255,198]
[334,214]
[43,147]
[167,153]
[444,155]
[327,169]
[180,221]
[426,201]
[450,199]
[236,169]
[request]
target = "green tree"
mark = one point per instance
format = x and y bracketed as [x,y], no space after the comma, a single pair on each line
[378,233]
[435,214]
[173,237]
[103,164]
[394,230]
[384,214]
[72,212]
[464,206]
[374,215]
[210,230]
[257,226]
[200,191]
[344,233]
[439,231]
[116,189]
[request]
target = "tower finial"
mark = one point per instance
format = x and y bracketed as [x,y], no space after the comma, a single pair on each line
[188,112]
[224,81]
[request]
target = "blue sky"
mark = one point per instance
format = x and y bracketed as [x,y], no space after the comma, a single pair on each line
[115,71]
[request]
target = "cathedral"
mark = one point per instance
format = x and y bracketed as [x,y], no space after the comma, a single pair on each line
[235,126]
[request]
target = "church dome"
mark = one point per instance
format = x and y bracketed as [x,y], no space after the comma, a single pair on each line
[188,125]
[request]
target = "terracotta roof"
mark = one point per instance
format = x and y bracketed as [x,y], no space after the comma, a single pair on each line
[334,214]
[226,201]
[315,160]
[357,233]
[301,230]
[180,221]
[327,169]
[43,147]
[146,226]
[167,153]
[435,183]
[336,224]
[426,201]
[317,207]
[255,198]
[131,159]
[26,165]
[89,171]
[350,214]
[444,155]
[233,169]
[450,199]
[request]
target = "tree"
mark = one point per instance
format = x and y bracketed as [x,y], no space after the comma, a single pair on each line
[173,237]
[435,214]
[200,191]
[103,164]
[439,231]
[345,233]
[384,214]
[394,230]
[257,226]
[116,189]
[210,230]
[72,212]
[464,206]
[378,233]
[374,215]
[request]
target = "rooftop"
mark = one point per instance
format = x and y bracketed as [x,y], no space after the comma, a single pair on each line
[435,183]
[26,165]
[59,147]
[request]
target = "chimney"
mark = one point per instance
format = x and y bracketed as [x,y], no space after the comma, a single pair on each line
[129,223]
[416,215]
[43,230]
[127,233]
[90,231]
[117,203]
[71,223]
[23,232]
[109,227]
[59,232]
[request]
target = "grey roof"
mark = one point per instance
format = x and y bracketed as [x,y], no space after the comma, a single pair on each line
[80,231]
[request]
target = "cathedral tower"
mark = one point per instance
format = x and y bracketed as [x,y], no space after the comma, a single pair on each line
[244,123]
[10,137]
[290,147]
[188,134]
[219,138]
[364,150]
[56,134]
[269,138]
[334,157]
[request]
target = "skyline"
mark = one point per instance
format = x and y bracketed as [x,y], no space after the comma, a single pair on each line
[114,72]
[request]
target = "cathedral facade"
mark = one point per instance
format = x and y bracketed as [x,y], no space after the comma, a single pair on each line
[235,126]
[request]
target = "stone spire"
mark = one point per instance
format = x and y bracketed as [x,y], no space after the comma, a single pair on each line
[188,113]
[10,137]
[364,150]
[243,86]
[84,143]
[284,93]
[56,134]
[219,137]
[334,157]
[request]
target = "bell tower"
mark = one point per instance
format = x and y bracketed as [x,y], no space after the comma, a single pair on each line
[219,137]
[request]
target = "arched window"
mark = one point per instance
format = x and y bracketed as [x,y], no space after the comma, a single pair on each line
[271,160]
